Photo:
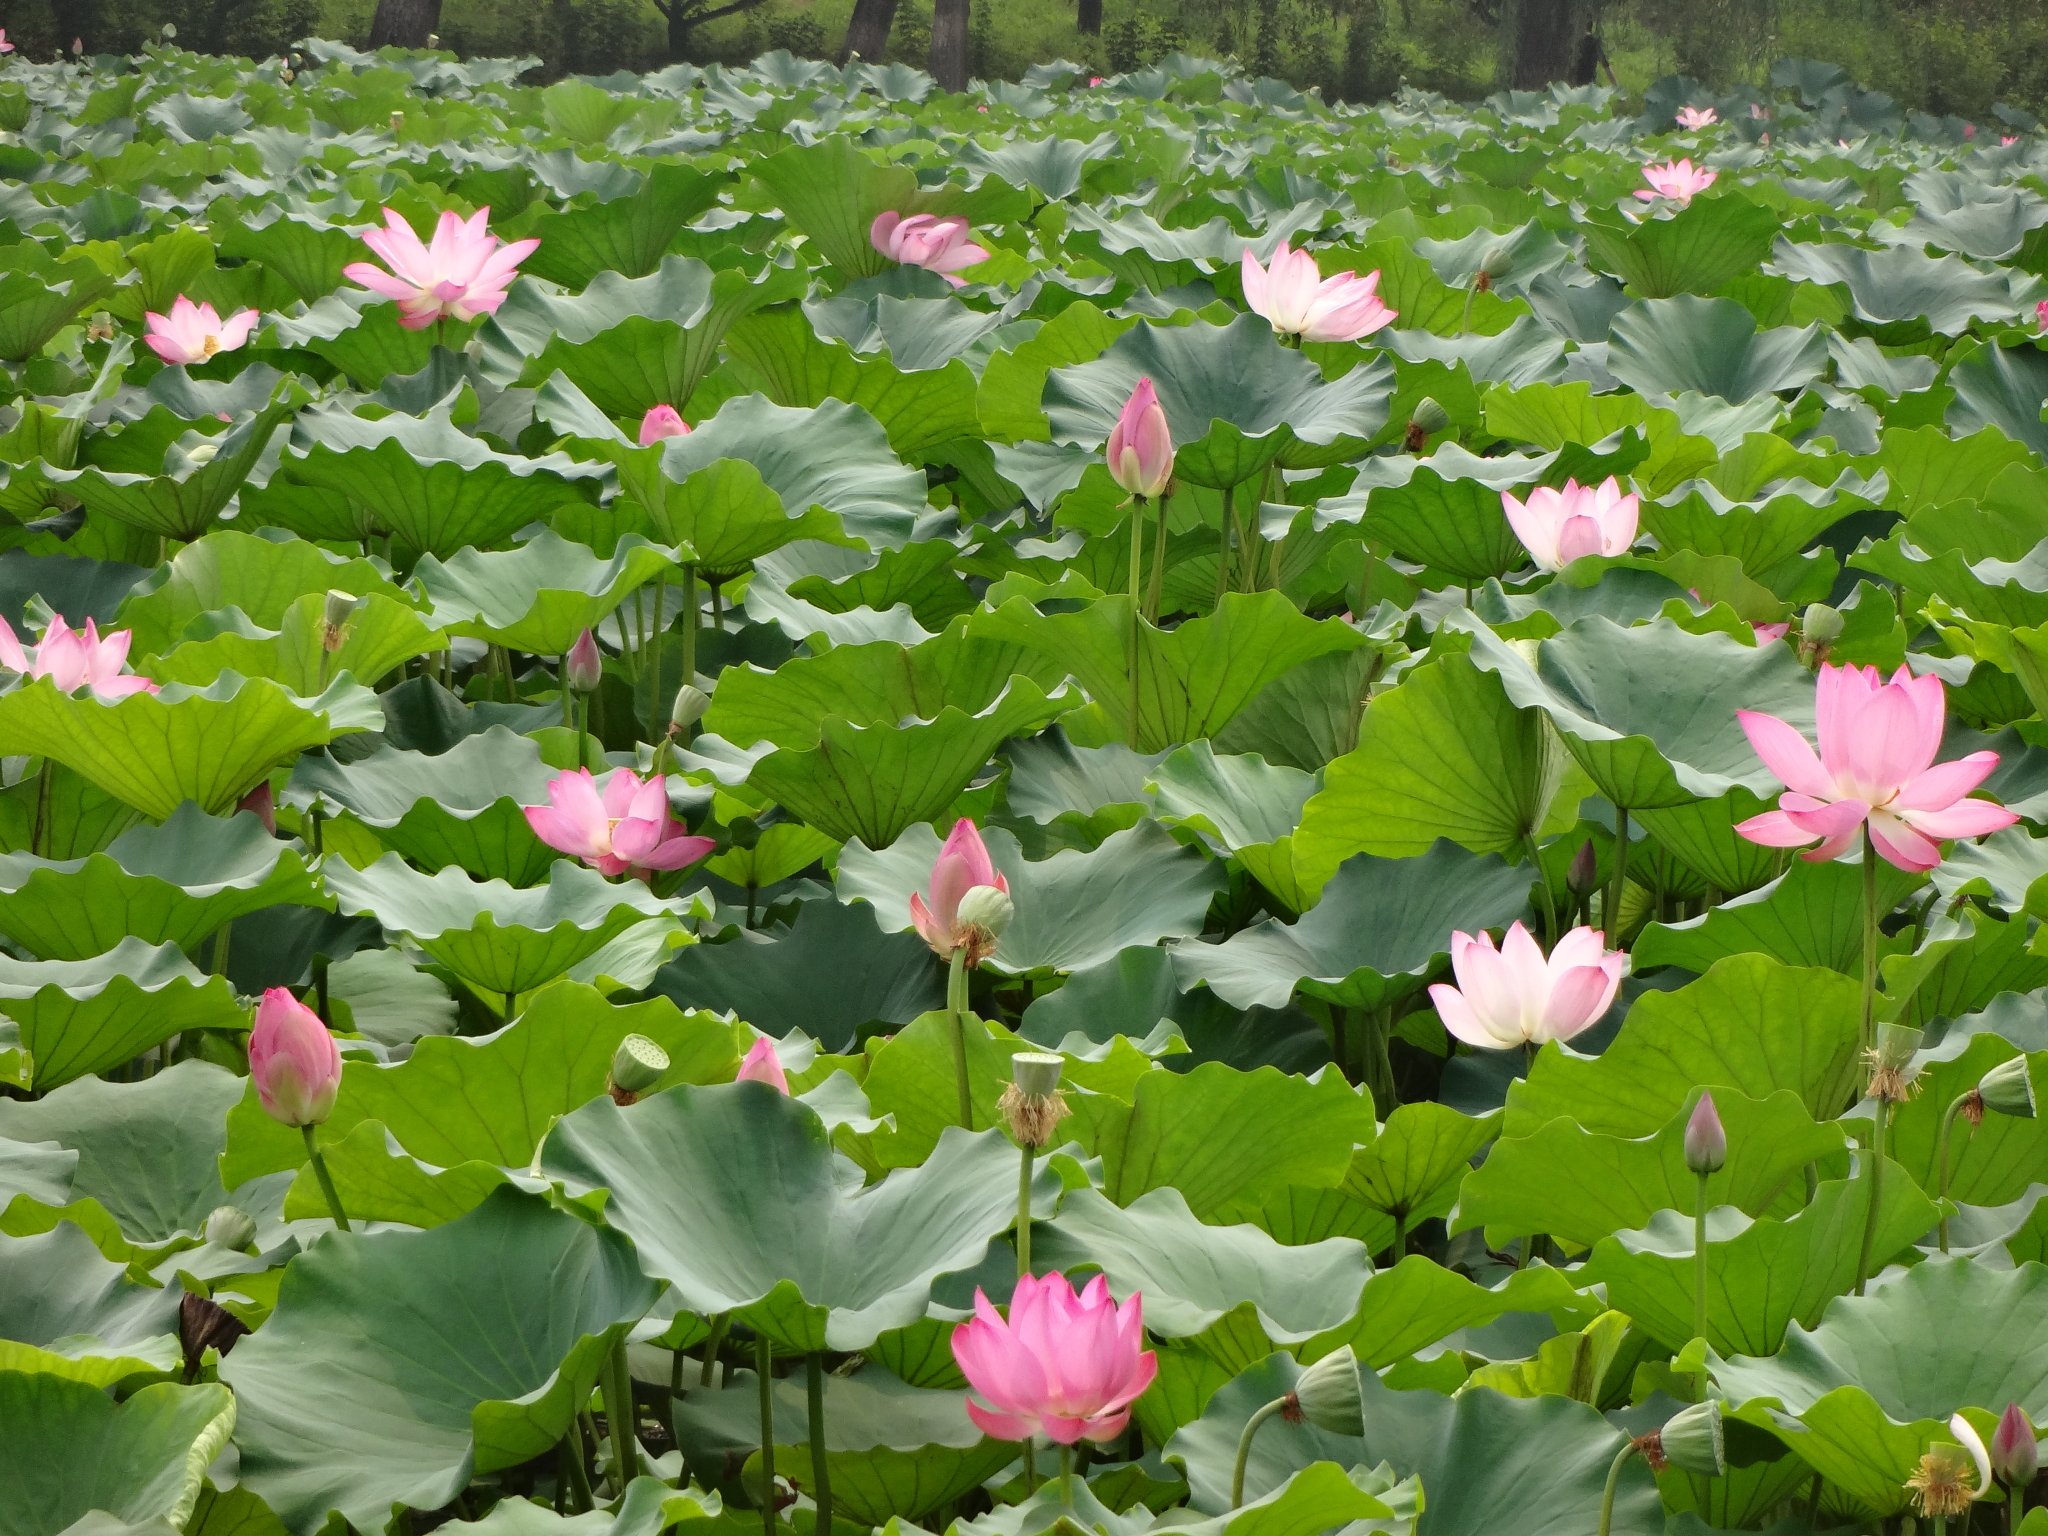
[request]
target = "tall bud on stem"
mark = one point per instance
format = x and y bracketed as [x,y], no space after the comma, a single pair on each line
[1706,1151]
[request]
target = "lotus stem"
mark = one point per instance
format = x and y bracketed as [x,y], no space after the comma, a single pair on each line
[709,1374]
[1067,1476]
[1542,884]
[821,1469]
[1699,1272]
[689,629]
[618,1402]
[656,712]
[1157,586]
[1876,1181]
[326,1183]
[1024,1211]
[1223,528]
[1244,1448]
[39,834]
[956,1016]
[1948,1120]
[1030,1466]
[320,1003]
[220,949]
[1613,1482]
[568,715]
[1400,1248]
[572,1451]
[1137,615]
[1866,1037]
[1610,916]
[763,1360]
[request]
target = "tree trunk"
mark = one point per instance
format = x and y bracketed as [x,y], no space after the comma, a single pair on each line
[678,32]
[1088,17]
[404,23]
[949,44]
[1544,43]
[867,34]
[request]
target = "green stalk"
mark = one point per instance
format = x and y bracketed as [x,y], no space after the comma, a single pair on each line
[618,1402]
[763,1360]
[1543,881]
[1867,1037]
[39,834]
[1244,1448]
[1158,583]
[1876,1194]
[1400,1248]
[956,1015]
[1137,617]
[1067,1476]
[1699,1272]
[574,1452]
[326,1183]
[821,1471]
[719,1324]
[220,947]
[1613,1481]
[562,674]
[657,716]
[689,626]
[1024,1212]
[1948,1120]
[1612,915]
[1223,529]
[1030,1466]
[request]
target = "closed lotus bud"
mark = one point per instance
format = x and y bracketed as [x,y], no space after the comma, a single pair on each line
[1584,872]
[1032,1106]
[2009,1089]
[988,908]
[203,453]
[688,709]
[293,1061]
[1691,1441]
[585,663]
[2015,1454]
[764,1065]
[261,804]
[1706,1143]
[1329,1395]
[230,1227]
[660,422]
[637,1065]
[1140,448]
[1821,625]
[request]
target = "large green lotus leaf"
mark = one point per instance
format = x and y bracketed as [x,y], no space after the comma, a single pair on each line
[1476,1454]
[212,744]
[876,684]
[36,310]
[1710,347]
[84,1016]
[1649,711]
[895,1451]
[497,937]
[146,1152]
[1873,1382]
[169,884]
[380,637]
[67,1311]
[1552,416]
[1073,910]
[1989,1164]
[758,475]
[871,782]
[1443,512]
[1927,468]
[1963,964]
[1235,399]
[186,499]
[1959,212]
[831,192]
[735,1197]
[262,577]
[1192,679]
[1448,755]
[539,596]
[1319,1497]
[1750,1024]
[1241,801]
[1013,382]
[627,235]
[1999,387]
[1381,930]
[1229,1141]
[2013,593]
[631,343]
[1414,1166]
[1810,915]
[1418,1302]
[648,1509]
[41,1170]
[789,362]
[769,978]
[441,1354]
[1696,250]
[378,1180]
[1761,533]
[1702,834]
[1901,283]
[421,478]
[78,1460]
[1581,1185]
[1194,1276]
[1762,1276]
[462,807]
[2002,868]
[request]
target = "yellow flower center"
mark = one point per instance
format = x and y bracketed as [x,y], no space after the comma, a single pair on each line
[210,346]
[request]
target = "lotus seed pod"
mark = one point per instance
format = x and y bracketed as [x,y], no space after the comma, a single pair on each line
[637,1065]
[688,709]
[1692,1441]
[2009,1089]
[1430,417]
[1329,1394]
[1498,261]
[1032,1105]
[1891,1069]
[987,908]
[230,1227]
[1821,625]
[1037,1073]
[2015,1454]
[1706,1143]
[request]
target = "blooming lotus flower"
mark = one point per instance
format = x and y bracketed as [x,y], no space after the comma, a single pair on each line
[463,274]
[74,659]
[1939,1486]
[925,240]
[962,865]
[1514,996]
[5,46]
[2005,141]
[2041,314]
[1758,112]
[1697,117]
[1876,766]
[1140,448]
[663,421]
[1677,180]
[1559,526]
[763,1066]
[1293,293]
[1063,1366]
[628,830]
[1770,634]
[191,333]
[293,1061]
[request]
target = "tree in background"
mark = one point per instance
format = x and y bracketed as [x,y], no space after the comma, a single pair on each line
[949,44]
[867,34]
[404,23]
[683,18]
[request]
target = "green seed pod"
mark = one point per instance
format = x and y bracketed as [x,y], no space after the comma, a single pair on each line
[987,908]
[1692,1440]
[1821,624]
[1430,417]
[637,1064]
[230,1227]
[2009,1089]
[1330,1396]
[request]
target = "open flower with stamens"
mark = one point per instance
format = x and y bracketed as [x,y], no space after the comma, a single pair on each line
[462,274]
[74,659]
[191,333]
[1678,180]
[1941,1485]
[1697,117]
[627,830]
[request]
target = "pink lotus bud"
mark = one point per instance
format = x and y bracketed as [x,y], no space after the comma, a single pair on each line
[5,46]
[662,421]
[585,663]
[1140,450]
[1770,634]
[928,241]
[1706,1143]
[2015,1454]
[1061,1366]
[1969,130]
[2006,141]
[763,1066]
[2041,314]
[962,865]
[293,1061]
[262,805]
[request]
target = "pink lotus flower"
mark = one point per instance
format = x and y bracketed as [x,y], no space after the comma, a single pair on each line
[663,421]
[1677,180]
[5,46]
[74,659]
[1758,112]
[1876,767]
[1559,526]
[2007,140]
[1063,1366]
[1140,449]
[2041,314]
[1293,293]
[1095,79]
[628,831]
[1969,130]
[763,1066]
[261,804]
[191,333]
[293,1061]
[1514,996]
[463,274]
[1770,634]
[961,865]
[1697,117]
[925,240]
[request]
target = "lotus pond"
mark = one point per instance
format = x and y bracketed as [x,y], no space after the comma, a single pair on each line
[760,801]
